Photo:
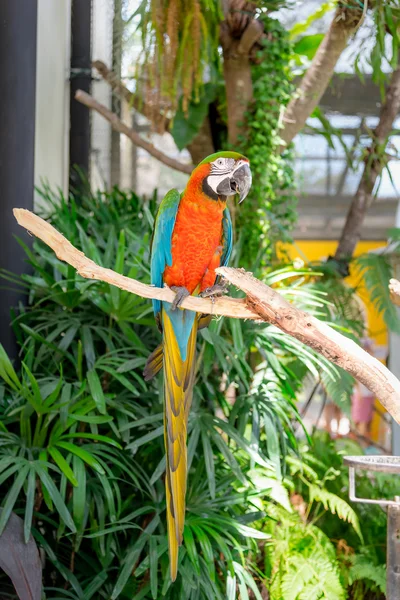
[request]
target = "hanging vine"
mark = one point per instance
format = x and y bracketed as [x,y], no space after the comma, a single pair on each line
[268,214]
[179,39]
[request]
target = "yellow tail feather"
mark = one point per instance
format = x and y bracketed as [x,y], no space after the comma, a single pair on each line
[178,390]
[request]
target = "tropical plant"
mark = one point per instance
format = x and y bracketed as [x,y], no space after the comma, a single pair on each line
[81,452]
[317,555]
[219,74]
[375,270]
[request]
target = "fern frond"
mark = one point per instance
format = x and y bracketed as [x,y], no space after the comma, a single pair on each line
[335,505]
[328,587]
[362,568]
[310,578]
[298,574]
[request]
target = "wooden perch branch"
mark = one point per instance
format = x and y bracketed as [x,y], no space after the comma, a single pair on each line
[120,126]
[231,307]
[273,308]
[261,303]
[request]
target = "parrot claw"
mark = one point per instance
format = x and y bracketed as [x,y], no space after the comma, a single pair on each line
[216,290]
[180,294]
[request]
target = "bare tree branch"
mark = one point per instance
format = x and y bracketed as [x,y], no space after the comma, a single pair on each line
[132,99]
[115,83]
[251,35]
[373,165]
[318,76]
[261,303]
[118,125]
[199,147]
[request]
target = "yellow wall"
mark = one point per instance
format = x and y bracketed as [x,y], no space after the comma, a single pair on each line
[315,250]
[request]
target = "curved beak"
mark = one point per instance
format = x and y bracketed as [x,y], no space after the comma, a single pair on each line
[238,182]
[241,179]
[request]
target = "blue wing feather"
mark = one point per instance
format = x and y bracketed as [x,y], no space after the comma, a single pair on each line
[161,251]
[161,256]
[228,237]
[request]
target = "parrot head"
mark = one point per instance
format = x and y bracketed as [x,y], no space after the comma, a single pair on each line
[225,174]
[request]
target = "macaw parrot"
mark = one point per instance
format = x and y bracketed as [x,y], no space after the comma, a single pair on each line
[192,237]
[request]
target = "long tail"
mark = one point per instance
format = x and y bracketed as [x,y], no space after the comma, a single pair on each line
[178,391]
[154,363]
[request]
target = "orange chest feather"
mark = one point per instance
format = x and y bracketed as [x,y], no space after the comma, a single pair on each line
[196,240]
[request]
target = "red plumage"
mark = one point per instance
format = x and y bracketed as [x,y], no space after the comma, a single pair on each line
[197,237]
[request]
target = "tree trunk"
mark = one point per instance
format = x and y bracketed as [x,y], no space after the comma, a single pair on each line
[373,166]
[238,33]
[202,144]
[239,90]
[318,76]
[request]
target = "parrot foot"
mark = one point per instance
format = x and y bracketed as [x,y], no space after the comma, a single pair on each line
[216,290]
[180,294]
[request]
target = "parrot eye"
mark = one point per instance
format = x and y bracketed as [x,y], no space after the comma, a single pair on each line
[220,162]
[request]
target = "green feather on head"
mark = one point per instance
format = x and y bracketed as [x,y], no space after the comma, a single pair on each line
[223,154]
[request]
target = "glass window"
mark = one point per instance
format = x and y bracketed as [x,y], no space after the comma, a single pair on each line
[347,140]
[389,186]
[311,176]
[345,121]
[314,145]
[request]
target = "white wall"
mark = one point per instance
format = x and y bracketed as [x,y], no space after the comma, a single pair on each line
[52,94]
[102,33]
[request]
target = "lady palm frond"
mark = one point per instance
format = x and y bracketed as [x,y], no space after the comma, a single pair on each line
[376,272]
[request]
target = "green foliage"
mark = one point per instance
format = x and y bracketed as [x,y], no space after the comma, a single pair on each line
[361,570]
[376,272]
[312,553]
[334,504]
[386,20]
[268,213]
[304,565]
[366,554]
[186,126]
[308,45]
[81,447]
[179,41]
[339,389]
[300,28]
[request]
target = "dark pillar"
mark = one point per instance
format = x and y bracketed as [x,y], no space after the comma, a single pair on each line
[79,141]
[18,25]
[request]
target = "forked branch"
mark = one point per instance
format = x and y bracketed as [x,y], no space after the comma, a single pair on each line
[262,303]
[137,139]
